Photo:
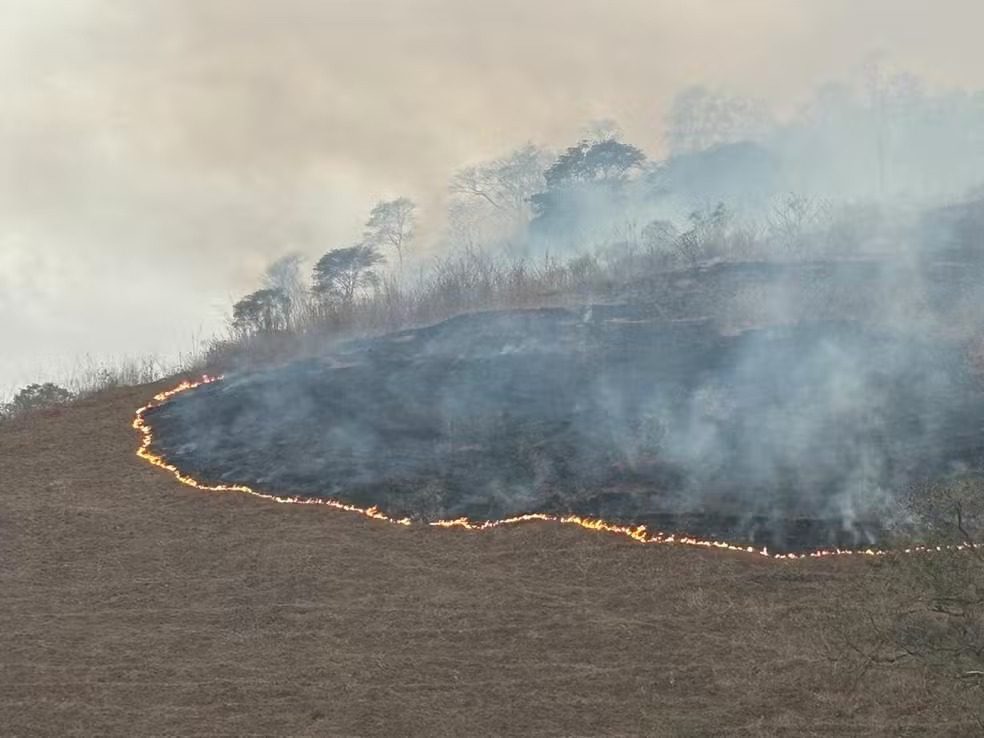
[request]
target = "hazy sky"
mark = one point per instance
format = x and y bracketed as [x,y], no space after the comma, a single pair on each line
[155,154]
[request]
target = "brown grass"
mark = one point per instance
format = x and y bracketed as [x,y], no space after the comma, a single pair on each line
[130,605]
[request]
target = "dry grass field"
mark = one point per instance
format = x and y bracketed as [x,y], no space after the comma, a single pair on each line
[130,605]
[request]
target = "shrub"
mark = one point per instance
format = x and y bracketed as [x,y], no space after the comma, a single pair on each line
[924,612]
[35,397]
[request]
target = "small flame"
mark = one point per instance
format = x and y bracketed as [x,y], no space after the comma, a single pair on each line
[637,533]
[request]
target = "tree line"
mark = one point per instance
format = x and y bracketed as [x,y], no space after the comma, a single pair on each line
[725,155]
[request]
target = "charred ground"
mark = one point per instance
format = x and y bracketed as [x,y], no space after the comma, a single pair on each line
[794,436]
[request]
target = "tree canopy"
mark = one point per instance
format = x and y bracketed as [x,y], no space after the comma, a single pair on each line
[36,397]
[339,274]
[262,311]
[586,174]
[591,162]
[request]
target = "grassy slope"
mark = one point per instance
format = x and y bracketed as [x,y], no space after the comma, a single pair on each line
[131,605]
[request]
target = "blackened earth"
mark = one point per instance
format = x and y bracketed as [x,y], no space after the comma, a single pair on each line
[792,437]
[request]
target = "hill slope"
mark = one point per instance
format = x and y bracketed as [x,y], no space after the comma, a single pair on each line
[132,605]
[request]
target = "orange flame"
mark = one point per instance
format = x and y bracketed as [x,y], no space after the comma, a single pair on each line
[636,533]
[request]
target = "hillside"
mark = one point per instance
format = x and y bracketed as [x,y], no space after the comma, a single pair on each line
[132,605]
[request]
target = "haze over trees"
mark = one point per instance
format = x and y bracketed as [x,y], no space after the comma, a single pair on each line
[700,119]
[586,177]
[492,200]
[735,182]
[285,274]
[265,311]
[391,224]
[341,273]
[856,176]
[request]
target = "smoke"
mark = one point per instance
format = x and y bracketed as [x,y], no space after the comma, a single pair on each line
[800,417]
[162,153]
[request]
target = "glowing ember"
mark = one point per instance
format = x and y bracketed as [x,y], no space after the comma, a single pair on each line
[637,533]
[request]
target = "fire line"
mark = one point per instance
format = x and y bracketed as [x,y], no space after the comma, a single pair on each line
[637,533]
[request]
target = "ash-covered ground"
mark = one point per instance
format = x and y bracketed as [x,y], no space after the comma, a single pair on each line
[792,436]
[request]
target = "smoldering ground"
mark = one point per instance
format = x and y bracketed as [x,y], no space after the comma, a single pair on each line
[797,434]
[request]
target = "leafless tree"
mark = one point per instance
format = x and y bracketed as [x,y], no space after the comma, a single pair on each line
[285,275]
[505,184]
[700,119]
[392,223]
[795,222]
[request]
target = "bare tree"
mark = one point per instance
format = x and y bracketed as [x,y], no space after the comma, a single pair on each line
[659,238]
[392,223]
[467,224]
[285,275]
[700,119]
[707,236]
[505,184]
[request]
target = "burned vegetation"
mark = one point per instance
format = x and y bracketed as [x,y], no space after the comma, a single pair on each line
[675,407]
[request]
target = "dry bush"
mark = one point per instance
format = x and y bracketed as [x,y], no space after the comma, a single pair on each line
[795,225]
[921,615]
[89,376]
[849,229]
[36,397]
